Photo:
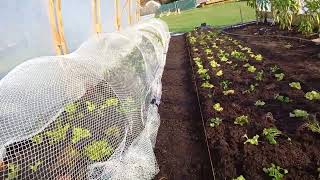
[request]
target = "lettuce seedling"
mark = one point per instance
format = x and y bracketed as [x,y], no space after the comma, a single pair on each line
[223,56]
[281,98]
[12,171]
[225,84]
[228,92]
[113,131]
[299,113]
[219,73]
[35,166]
[215,122]
[238,55]
[241,120]
[251,69]
[79,134]
[259,103]
[279,76]
[70,108]
[276,172]
[37,139]
[270,134]
[192,40]
[313,125]
[98,150]
[259,75]
[274,68]
[257,57]
[208,51]
[253,141]
[295,85]
[90,106]
[312,95]
[58,134]
[217,107]
[214,64]
[239,178]
[207,85]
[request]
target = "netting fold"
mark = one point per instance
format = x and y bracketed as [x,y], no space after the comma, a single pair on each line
[91,114]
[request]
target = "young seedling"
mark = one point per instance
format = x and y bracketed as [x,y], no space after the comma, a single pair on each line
[97,150]
[283,99]
[35,166]
[37,139]
[259,75]
[279,76]
[225,84]
[312,95]
[241,120]
[70,108]
[217,107]
[313,125]
[90,106]
[295,85]
[251,69]
[253,141]
[58,134]
[214,64]
[259,103]
[270,134]
[113,131]
[274,68]
[239,178]
[228,92]
[215,122]
[276,172]
[238,55]
[219,73]
[223,56]
[12,171]
[208,51]
[78,134]
[207,85]
[299,114]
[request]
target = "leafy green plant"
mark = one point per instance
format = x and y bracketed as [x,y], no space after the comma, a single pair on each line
[279,76]
[274,68]
[276,172]
[71,107]
[295,85]
[225,84]
[251,69]
[35,166]
[253,141]
[283,12]
[12,171]
[215,122]
[313,125]
[214,64]
[219,73]
[58,134]
[113,131]
[192,40]
[113,101]
[79,134]
[312,95]
[239,178]
[270,134]
[228,92]
[97,150]
[208,51]
[217,107]
[259,103]
[90,106]
[282,98]
[207,85]
[238,55]
[299,113]
[223,56]
[241,120]
[258,57]
[37,139]
[259,75]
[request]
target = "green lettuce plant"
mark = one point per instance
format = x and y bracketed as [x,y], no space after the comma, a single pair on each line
[295,85]
[276,172]
[270,134]
[228,92]
[282,98]
[312,95]
[58,134]
[259,103]
[217,107]
[215,122]
[259,75]
[241,120]
[98,150]
[253,141]
[239,178]
[207,85]
[279,76]
[299,113]
[35,166]
[79,134]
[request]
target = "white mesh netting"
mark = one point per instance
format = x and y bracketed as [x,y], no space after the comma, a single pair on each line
[91,114]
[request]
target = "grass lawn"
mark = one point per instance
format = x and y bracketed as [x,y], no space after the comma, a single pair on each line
[216,14]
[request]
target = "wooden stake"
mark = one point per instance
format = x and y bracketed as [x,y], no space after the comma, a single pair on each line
[118,15]
[96,14]
[129,12]
[60,26]
[138,11]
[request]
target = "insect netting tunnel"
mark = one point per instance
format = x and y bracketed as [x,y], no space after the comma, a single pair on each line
[91,114]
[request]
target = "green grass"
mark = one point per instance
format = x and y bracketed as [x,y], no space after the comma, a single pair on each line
[216,15]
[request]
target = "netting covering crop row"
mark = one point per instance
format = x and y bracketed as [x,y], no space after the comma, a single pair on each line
[91,114]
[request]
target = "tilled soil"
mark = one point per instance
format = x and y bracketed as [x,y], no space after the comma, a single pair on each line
[180,149]
[297,149]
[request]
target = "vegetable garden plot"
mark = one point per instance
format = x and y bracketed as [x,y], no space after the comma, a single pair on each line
[261,105]
[91,114]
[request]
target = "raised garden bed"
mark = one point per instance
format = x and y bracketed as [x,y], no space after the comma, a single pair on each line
[260,99]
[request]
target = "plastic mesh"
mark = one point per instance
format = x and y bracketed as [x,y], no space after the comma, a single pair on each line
[91,114]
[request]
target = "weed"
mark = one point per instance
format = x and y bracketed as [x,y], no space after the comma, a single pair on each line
[241,120]
[276,172]
[271,134]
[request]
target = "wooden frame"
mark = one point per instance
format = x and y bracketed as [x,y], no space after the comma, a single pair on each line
[96,14]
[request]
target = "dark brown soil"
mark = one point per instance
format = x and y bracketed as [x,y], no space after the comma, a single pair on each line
[299,62]
[180,149]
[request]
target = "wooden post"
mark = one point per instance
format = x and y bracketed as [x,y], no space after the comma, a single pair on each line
[96,14]
[55,18]
[118,15]
[138,10]
[129,12]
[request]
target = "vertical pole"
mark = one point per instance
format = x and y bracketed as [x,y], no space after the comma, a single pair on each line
[60,26]
[55,34]
[129,12]
[96,14]
[241,14]
[138,10]
[118,15]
